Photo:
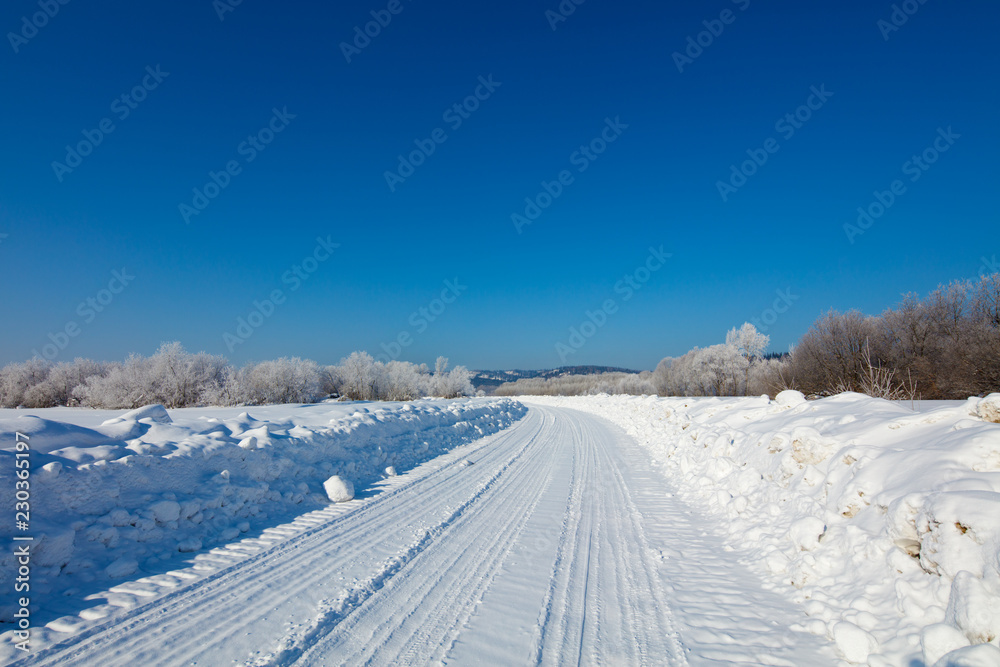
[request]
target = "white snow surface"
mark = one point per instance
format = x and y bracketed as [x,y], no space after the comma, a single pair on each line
[550,542]
[881,520]
[116,494]
[588,530]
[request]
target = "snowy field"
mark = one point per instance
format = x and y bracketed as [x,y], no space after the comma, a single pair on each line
[603,529]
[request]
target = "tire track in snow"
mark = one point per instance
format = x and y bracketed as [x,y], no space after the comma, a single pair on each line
[723,614]
[188,623]
[433,606]
[616,612]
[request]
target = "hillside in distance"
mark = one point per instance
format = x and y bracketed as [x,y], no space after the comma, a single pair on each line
[488,381]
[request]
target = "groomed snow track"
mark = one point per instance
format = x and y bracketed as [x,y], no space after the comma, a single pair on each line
[532,546]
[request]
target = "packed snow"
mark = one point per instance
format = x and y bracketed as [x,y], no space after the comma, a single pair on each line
[881,520]
[701,531]
[115,495]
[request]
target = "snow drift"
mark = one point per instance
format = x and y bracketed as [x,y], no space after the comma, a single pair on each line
[112,499]
[884,522]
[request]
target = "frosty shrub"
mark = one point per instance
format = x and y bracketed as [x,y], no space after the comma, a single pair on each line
[451,384]
[284,380]
[17,380]
[127,385]
[734,368]
[177,378]
[362,378]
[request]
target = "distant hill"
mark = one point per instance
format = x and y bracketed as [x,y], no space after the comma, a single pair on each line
[488,381]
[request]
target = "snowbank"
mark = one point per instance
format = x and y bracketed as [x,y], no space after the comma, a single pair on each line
[883,522]
[112,499]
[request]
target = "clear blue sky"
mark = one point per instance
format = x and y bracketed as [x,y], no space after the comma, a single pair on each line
[323,175]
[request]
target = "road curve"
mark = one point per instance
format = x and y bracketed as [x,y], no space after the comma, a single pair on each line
[531,546]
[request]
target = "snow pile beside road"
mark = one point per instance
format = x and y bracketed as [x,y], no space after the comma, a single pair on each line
[883,522]
[130,494]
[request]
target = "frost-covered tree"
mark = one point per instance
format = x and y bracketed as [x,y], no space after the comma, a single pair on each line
[284,380]
[725,369]
[127,385]
[361,377]
[177,378]
[404,381]
[62,380]
[451,384]
[16,380]
[457,382]
[748,341]
[180,378]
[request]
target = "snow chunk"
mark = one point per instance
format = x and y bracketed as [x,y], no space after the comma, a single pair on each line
[165,511]
[54,550]
[119,517]
[52,469]
[939,639]
[854,643]
[390,471]
[809,447]
[989,409]
[189,545]
[789,398]
[122,567]
[154,412]
[982,655]
[338,489]
[806,533]
[973,608]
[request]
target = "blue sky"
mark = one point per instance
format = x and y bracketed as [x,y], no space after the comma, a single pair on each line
[343,124]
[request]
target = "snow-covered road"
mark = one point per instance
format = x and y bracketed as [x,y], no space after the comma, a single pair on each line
[551,542]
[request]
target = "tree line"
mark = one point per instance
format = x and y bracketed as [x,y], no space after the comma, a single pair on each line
[943,346]
[177,378]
